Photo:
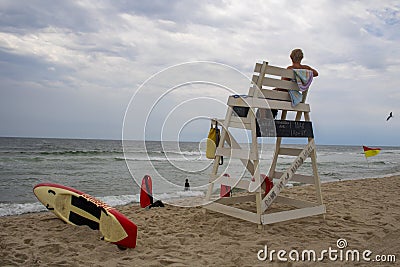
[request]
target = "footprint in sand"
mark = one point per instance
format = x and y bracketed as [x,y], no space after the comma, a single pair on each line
[89,246]
[28,241]
[20,258]
[185,239]
[52,248]
[347,217]
[170,261]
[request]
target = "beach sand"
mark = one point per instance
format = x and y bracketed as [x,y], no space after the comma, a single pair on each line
[364,212]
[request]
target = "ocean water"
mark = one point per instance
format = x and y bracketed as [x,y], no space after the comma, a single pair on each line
[111,170]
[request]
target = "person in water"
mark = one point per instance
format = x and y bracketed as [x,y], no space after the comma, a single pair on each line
[187,185]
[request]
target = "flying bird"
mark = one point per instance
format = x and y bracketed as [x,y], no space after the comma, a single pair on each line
[390,116]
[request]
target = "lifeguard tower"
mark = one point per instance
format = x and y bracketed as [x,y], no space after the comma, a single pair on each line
[241,113]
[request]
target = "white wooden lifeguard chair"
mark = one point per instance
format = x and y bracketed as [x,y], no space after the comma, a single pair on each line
[260,96]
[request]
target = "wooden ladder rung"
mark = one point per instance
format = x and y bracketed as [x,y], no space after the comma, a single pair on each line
[235,122]
[231,181]
[236,153]
[287,151]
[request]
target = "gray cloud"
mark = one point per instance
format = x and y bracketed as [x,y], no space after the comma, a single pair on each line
[36,14]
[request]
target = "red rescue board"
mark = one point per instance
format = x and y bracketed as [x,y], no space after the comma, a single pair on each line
[146,192]
[77,208]
[225,189]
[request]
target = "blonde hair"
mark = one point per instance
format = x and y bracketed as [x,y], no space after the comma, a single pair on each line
[296,55]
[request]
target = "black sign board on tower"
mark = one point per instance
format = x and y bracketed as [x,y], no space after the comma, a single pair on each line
[284,128]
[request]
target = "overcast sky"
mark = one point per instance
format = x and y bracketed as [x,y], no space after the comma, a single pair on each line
[69,68]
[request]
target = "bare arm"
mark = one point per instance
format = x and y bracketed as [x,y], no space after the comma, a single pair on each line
[299,66]
[315,72]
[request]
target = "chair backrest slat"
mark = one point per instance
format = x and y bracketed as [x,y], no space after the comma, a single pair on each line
[272,78]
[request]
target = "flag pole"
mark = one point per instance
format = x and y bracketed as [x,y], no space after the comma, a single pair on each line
[369,152]
[366,158]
